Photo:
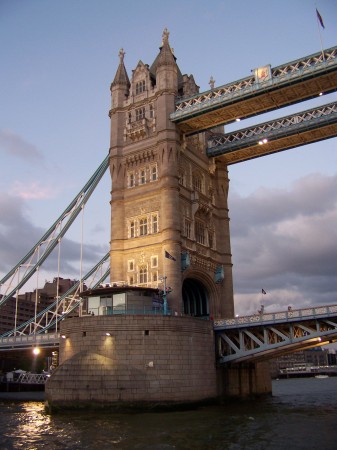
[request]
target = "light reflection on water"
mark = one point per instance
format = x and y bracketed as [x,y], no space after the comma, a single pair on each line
[302,414]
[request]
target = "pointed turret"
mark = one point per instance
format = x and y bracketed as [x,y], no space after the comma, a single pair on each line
[165,66]
[121,83]
[166,57]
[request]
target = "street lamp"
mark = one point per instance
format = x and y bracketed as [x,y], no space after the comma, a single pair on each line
[163,280]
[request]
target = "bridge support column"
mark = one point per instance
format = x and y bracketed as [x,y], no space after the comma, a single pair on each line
[244,380]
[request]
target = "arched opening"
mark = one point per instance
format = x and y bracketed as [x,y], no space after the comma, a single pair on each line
[195,298]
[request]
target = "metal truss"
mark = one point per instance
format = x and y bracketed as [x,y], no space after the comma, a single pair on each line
[33,378]
[279,74]
[263,133]
[265,336]
[28,341]
[43,248]
[295,81]
[49,318]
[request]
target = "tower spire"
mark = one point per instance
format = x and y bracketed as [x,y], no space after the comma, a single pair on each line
[121,77]
[166,56]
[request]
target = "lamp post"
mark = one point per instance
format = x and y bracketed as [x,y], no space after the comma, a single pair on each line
[163,279]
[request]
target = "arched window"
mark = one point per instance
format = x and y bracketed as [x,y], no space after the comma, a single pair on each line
[154,173]
[142,176]
[200,232]
[140,87]
[132,229]
[197,182]
[154,223]
[142,274]
[131,179]
[140,113]
[143,226]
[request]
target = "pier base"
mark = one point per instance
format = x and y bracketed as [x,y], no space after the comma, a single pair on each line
[244,380]
[133,361]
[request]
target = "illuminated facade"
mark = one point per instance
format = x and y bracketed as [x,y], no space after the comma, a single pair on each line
[167,195]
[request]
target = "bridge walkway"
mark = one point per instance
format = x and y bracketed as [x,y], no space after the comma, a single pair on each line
[264,336]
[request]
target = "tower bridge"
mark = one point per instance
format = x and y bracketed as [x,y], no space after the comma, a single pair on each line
[168,162]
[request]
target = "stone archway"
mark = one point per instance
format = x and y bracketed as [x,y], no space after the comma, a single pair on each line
[195,298]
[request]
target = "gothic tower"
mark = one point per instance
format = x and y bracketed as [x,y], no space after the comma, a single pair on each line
[168,199]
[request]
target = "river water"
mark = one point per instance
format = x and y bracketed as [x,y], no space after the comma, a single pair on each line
[301,414]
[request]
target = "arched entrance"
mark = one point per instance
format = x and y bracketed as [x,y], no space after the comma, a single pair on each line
[195,298]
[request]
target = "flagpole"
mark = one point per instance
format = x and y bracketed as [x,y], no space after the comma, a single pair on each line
[164,280]
[320,23]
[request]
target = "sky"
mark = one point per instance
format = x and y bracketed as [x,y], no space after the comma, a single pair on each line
[58,59]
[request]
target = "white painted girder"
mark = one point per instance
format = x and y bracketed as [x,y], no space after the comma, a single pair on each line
[257,341]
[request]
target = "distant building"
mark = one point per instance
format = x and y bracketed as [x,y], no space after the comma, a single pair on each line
[23,306]
[311,357]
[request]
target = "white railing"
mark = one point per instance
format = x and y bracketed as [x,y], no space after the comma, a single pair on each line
[305,313]
[279,74]
[32,340]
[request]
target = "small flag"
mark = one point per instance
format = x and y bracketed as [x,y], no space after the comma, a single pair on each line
[319,17]
[263,291]
[167,255]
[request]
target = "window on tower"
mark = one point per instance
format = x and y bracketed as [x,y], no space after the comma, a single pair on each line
[143,226]
[154,172]
[140,114]
[200,232]
[142,176]
[132,229]
[154,223]
[131,179]
[142,274]
[140,87]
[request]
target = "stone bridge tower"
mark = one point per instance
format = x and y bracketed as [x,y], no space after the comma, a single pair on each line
[167,198]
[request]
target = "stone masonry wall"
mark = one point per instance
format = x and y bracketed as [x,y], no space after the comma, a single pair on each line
[146,361]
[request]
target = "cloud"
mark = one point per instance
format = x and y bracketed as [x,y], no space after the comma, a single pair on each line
[14,145]
[285,242]
[18,235]
[32,191]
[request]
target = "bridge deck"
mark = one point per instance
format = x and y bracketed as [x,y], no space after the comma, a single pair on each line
[265,336]
[288,84]
[287,132]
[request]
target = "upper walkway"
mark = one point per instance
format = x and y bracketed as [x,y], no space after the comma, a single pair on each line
[265,90]
[287,132]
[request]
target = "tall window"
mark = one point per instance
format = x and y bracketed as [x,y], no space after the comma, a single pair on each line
[131,179]
[182,178]
[132,229]
[187,228]
[142,176]
[154,223]
[140,87]
[211,238]
[154,173]
[131,265]
[140,113]
[197,182]
[200,232]
[143,226]
[142,274]
[151,112]
[154,261]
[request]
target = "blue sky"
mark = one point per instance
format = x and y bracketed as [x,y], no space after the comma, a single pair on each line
[58,59]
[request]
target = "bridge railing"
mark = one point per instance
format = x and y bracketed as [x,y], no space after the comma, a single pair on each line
[26,341]
[279,75]
[261,318]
